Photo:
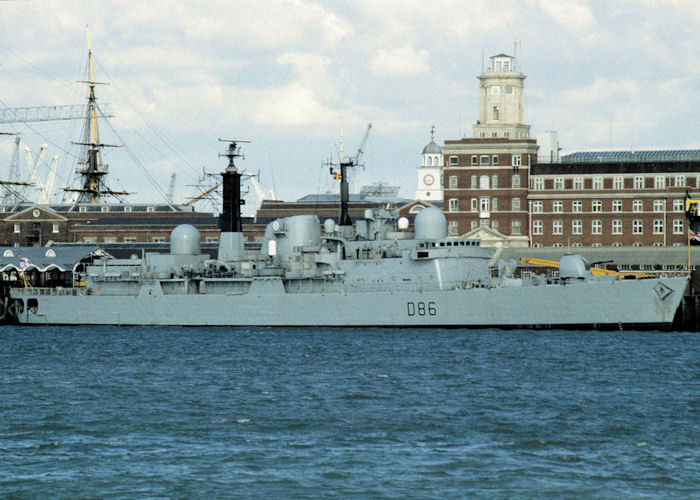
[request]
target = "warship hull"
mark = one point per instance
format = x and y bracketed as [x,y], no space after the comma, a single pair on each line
[648,304]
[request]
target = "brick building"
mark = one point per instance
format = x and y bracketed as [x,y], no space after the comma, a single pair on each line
[495,189]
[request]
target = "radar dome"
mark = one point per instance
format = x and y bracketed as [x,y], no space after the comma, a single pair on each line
[185,240]
[430,224]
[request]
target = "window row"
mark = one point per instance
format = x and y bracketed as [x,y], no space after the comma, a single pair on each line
[483,204]
[17,228]
[515,226]
[488,160]
[616,227]
[483,182]
[575,206]
[616,182]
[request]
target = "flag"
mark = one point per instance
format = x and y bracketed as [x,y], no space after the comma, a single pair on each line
[337,176]
[693,236]
[23,262]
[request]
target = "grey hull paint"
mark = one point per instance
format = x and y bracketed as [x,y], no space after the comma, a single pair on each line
[596,304]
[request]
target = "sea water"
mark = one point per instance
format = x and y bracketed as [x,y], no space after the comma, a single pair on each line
[332,412]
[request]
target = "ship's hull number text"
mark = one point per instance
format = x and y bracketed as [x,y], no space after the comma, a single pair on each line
[421,308]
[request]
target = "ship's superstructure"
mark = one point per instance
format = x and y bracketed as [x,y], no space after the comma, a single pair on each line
[376,272]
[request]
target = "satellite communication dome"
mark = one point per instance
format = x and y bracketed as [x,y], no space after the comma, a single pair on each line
[185,240]
[430,224]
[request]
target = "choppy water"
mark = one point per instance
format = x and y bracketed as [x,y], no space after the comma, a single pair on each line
[263,412]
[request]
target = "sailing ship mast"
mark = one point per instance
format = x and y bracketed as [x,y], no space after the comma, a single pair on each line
[91,169]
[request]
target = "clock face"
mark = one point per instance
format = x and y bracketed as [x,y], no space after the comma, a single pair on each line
[428,180]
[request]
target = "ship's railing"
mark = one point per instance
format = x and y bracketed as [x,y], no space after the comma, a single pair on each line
[47,291]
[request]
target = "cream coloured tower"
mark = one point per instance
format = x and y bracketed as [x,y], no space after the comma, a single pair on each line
[501,101]
[430,172]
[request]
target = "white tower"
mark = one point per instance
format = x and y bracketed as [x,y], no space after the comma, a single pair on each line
[430,172]
[501,101]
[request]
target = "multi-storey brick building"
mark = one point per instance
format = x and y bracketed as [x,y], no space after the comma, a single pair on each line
[613,198]
[494,188]
[486,177]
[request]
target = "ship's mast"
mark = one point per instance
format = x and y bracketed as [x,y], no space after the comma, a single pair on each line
[93,172]
[231,244]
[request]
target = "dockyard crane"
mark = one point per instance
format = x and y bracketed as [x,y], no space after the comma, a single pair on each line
[170,194]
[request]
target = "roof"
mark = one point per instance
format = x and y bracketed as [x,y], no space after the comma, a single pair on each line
[631,156]
[63,258]
[432,148]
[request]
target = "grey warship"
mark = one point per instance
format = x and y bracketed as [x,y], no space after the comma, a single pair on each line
[376,272]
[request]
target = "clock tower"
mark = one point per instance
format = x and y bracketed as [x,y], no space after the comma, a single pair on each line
[430,172]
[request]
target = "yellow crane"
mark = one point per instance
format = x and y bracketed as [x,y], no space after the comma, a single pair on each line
[594,270]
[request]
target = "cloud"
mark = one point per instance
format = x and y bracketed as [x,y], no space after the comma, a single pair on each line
[574,14]
[400,61]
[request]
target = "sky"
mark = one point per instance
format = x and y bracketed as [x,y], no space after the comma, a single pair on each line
[291,76]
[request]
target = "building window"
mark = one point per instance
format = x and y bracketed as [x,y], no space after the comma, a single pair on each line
[596,245]
[90,239]
[494,160]
[516,160]
[454,160]
[639,182]
[557,227]
[475,204]
[429,161]
[659,182]
[54,228]
[677,226]
[597,206]
[637,206]
[678,206]
[515,181]
[578,183]
[494,204]
[484,203]
[452,227]
[576,227]
[105,208]
[495,90]
[453,204]
[158,239]
[515,204]
[453,182]
[658,205]
[557,207]
[496,114]
[617,226]
[129,239]
[484,160]
[484,182]
[18,228]
[637,227]
[515,227]
[110,239]
[474,182]
[618,182]
[616,244]
[556,245]
[559,183]
[509,89]
[596,227]
[680,181]
[212,239]
[494,181]
[536,226]
[617,206]
[538,184]
[597,183]
[576,244]
[658,226]
[475,161]
[576,206]
[537,207]
[637,244]
[474,224]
